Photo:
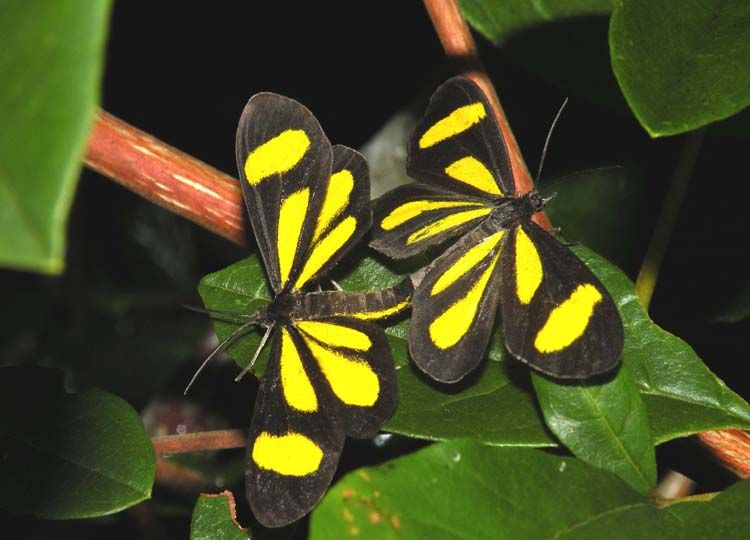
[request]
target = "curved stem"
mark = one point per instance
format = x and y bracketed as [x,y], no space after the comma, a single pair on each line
[198,442]
[657,247]
[459,46]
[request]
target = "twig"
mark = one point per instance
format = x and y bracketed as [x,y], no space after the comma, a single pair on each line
[670,210]
[731,447]
[197,442]
[167,177]
[459,46]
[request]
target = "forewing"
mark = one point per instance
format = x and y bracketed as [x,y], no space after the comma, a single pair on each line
[343,215]
[355,360]
[454,306]
[410,218]
[458,144]
[295,437]
[284,160]
[557,316]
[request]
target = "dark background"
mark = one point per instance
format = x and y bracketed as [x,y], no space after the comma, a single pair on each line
[183,73]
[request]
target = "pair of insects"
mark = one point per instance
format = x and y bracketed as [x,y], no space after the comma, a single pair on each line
[330,371]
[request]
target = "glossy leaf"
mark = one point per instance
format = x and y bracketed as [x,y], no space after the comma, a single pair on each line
[498,493]
[603,423]
[69,455]
[681,66]
[50,64]
[214,518]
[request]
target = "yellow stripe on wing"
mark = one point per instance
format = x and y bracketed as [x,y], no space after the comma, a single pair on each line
[292,454]
[291,218]
[456,122]
[407,211]
[568,321]
[451,325]
[340,187]
[467,261]
[473,172]
[298,390]
[446,223]
[336,335]
[276,156]
[381,313]
[528,267]
[326,248]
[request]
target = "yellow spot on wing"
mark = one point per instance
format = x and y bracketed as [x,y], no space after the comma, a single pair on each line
[446,223]
[340,186]
[336,335]
[292,454]
[456,122]
[328,246]
[467,261]
[352,379]
[528,267]
[381,313]
[276,156]
[471,171]
[447,329]
[405,212]
[298,390]
[291,218]
[568,321]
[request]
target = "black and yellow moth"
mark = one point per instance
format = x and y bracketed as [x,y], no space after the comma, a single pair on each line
[556,315]
[330,371]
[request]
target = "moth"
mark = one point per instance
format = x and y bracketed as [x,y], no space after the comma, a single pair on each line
[557,317]
[329,372]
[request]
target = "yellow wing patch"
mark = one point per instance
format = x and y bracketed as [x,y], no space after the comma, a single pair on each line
[292,454]
[405,212]
[568,321]
[291,218]
[336,335]
[446,223]
[382,313]
[467,261]
[471,171]
[298,391]
[456,122]
[340,187]
[448,328]
[276,156]
[327,248]
[352,379]
[528,267]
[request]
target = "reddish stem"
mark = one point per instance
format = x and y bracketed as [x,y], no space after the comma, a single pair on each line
[731,447]
[459,45]
[197,442]
[167,177]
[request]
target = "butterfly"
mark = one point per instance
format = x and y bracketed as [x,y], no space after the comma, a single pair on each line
[329,372]
[557,316]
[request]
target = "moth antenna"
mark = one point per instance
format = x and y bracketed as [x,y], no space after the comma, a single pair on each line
[257,353]
[336,286]
[228,341]
[218,312]
[546,141]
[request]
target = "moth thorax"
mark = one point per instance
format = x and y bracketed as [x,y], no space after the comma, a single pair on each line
[279,309]
[511,210]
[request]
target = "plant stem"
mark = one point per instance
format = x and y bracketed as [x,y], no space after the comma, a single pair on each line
[730,447]
[459,46]
[657,247]
[167,177]
[200,441]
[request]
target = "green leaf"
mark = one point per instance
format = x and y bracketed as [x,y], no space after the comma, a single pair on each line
[603,424]
[500,20]
[682,396]
[499,493]
[69,456]
[214,519]
[596,205]
[681,66]
[50,64]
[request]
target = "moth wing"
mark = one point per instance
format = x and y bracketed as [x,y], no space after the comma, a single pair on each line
[296,435]
[413,217]
[557,316]
[454,306]
[458,144]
